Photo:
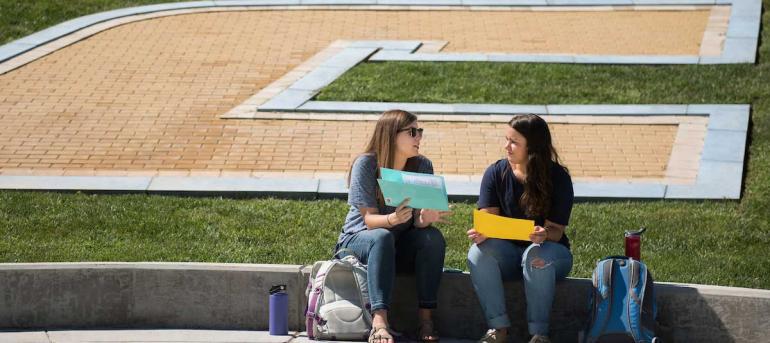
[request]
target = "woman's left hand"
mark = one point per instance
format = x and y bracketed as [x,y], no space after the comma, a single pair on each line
[428,217]
[539,236]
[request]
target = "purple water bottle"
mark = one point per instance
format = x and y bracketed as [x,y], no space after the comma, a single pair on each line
[279,311]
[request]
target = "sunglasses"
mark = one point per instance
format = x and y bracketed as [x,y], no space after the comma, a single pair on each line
[413,131]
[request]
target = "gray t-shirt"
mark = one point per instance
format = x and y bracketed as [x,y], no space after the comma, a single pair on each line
[363,193]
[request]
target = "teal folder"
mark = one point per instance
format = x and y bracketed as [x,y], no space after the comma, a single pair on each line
[424,190]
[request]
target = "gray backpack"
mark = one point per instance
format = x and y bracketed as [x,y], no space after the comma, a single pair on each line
[338,300]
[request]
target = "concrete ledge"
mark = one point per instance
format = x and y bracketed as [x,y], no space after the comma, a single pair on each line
[716,180]
[619,190]
[97,184]
[504,2]
[142,295]
[626,110]
[531,58]
[309,85]
[288,100]
[205,186]
[234,297]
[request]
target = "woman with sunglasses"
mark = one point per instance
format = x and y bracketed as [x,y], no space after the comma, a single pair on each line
[530,183]
[393,238]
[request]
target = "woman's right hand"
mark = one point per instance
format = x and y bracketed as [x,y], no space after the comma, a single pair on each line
[476,237]
[401,215]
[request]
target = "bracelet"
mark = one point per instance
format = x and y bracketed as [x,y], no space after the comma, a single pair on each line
[387,218]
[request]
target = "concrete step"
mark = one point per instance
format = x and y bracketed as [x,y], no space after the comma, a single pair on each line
[210,296]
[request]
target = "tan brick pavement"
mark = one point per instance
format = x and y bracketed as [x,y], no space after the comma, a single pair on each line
[144,97]
[590,150]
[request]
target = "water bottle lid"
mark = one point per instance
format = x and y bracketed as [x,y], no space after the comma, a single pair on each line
[636,232]
[278,289]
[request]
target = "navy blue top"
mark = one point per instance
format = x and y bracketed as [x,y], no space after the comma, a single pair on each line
[500,188]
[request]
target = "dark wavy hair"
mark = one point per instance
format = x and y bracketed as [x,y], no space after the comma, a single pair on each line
[536,200]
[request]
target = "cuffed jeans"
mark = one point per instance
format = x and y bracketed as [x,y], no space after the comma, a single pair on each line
[497,260]
[418,251]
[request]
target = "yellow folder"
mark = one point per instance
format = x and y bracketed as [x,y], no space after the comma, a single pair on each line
[494,226]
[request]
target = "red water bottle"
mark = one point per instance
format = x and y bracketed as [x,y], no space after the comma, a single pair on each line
[634,243]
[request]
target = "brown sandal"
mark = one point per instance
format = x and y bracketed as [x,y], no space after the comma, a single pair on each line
[380,334]
[426,332]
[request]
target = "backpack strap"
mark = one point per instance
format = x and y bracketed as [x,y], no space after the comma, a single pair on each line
[315,295]
[639,274]
[639,285]
[345,250]
[635,273]
[649,306]
[644,277]
[606,290]
[605,285]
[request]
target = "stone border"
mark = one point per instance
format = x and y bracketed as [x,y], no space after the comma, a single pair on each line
[740,45]
[719,171]
[305,80]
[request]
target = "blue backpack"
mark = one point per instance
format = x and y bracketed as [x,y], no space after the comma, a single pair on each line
[621,303]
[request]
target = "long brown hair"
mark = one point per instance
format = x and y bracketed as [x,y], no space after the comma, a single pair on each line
[382,144]
[536,200]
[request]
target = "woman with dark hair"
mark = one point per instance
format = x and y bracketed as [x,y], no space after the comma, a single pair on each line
[529,183]
[388,238]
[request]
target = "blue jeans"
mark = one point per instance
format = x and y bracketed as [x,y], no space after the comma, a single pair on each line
[418,251]
[497,260]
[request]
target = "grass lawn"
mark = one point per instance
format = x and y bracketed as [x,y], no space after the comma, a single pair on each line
[19,18]
[78,227]
[709,242]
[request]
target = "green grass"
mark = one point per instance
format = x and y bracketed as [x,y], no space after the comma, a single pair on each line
[698,242]
[78,227]
[709,242]
[22,18]
[529,83]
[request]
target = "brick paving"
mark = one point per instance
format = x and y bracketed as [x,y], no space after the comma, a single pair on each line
[144,97]
[590,150]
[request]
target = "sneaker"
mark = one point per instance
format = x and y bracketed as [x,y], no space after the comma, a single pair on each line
[492,337]
[540,339]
